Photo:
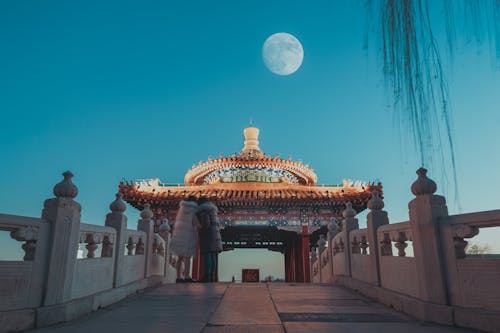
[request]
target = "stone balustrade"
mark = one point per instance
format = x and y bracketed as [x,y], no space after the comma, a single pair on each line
[419,266]
[360,254]
[358,240]
[472,280]
[398,272]
[94,237]
[135,242]
[71,268]
[21,282]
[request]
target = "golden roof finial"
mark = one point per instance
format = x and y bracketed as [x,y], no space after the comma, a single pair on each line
[251,138]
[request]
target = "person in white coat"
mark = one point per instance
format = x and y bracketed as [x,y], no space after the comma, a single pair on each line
[183,242]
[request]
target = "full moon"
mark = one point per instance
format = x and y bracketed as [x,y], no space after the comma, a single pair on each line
[282,53]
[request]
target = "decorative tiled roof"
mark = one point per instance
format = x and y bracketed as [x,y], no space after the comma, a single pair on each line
[251,162]
[225,193]
[249,179]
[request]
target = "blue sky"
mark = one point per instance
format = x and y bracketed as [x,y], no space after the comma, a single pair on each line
[146,89]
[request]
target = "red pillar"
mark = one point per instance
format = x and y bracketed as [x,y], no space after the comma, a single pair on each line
[299,277]
[293,262]
[306,263]
[287,265]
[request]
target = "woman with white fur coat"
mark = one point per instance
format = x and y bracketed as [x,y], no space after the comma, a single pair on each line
[183,242]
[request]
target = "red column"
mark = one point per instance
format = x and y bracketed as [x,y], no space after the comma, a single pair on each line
[287,265]
[306,263]
[293,262]
[298,261]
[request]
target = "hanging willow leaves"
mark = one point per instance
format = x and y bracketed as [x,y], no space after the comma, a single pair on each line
[413,66]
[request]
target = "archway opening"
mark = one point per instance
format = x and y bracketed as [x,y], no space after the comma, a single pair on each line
[269,263]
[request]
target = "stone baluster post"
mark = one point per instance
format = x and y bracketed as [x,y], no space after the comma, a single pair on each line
[321,249]
[332,231]
[117,220]
[425,210]
[375,218]
[63,215]
[350,223]
[147,224]
[164,232]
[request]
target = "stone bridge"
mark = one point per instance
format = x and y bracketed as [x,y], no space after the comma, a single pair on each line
[412,276]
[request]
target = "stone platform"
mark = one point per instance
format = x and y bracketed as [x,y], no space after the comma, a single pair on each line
[262,308]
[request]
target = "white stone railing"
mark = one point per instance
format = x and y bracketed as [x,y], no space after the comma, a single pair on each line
[94,237]
[94,271]
[419,266]
[158,258]
[360,254]
[135,242]
[397,270]
[315,272]
[21,282]
[72,268]
[396,235]
[135,259]
[340,254]
[325,264]
[472,280]
[358,241]
[338,244]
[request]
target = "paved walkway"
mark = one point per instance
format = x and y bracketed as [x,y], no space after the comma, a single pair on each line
[259,308]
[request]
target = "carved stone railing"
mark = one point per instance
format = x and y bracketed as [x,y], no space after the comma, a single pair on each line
[135,242]
[22,229]
[315,272]
[340,254]
[397,272]
[338,245]
[158,246]
[466,226]
[360,255]
[21,282]
[472,280]
[94,235]
[70,268]
[158,258]
[325,263]
[398,234]
[421,267]
[358,240]
[94,271]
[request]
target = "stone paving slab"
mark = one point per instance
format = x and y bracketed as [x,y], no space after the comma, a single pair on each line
[301,327]
[246,304]
[176,308]
[247,308]
[244,329]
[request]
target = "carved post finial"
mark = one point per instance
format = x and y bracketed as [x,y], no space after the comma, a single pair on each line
[66,188]
[423,185]
[118,206]
[146,213]
[333,228]
[349,212]
[375,203]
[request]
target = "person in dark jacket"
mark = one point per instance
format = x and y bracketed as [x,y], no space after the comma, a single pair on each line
[209,238]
